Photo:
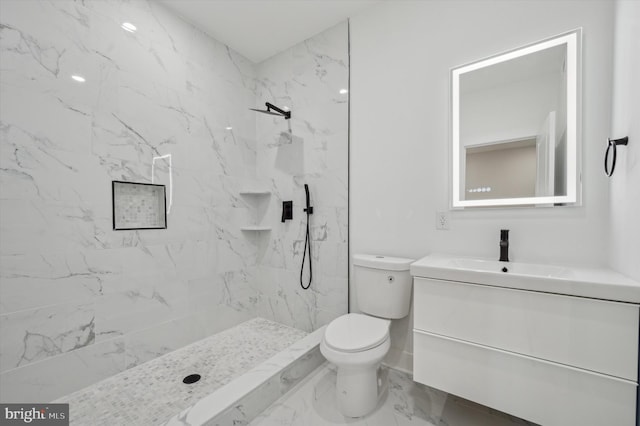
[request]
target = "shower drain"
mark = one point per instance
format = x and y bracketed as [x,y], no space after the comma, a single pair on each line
[191,378]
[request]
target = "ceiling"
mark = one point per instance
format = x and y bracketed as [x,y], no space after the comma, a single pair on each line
[533,65]
[258,29]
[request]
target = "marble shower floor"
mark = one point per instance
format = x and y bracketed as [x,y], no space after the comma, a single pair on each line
[405,403]
[151,393]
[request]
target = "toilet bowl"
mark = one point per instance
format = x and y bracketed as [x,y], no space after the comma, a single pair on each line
[357,343]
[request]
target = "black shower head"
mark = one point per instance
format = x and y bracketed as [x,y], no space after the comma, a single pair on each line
[276,111]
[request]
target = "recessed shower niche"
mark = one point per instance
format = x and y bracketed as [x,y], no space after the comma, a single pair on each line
[259,200]
[138,206]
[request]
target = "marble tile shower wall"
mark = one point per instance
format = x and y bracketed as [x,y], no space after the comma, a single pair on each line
[310,148]
[78,301]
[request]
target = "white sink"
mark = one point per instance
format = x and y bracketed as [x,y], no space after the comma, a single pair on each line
[480,265]
[575,281]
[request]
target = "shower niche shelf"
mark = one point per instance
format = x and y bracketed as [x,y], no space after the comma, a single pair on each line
[259,197]
[249,192]
[255,228]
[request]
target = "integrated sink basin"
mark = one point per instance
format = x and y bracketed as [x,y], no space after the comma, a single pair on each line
[586,282]
[480,265]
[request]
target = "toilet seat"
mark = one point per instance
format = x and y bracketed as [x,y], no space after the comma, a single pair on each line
[356,333]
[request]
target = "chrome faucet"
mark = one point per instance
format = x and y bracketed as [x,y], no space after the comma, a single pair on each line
[504,245]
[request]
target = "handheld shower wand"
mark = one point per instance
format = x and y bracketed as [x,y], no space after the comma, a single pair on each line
[308,209]
[307,242]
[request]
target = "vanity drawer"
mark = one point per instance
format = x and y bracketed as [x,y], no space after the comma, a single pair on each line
[543,392]
[596,335]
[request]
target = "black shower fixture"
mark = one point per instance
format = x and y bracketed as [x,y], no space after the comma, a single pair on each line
[287,210]
[274,110]
[307,243]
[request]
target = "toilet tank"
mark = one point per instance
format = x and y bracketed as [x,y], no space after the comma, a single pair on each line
[383,285]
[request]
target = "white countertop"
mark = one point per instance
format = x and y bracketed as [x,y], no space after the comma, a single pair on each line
[575,281]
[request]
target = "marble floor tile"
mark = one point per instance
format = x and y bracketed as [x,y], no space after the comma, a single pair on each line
[404,403]
[152,392]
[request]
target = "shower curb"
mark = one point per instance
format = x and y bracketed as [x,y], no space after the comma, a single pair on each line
[243,399]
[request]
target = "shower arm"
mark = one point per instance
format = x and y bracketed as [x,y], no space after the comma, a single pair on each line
[286,114]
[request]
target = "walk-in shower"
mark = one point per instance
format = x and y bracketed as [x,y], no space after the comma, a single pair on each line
[113,322]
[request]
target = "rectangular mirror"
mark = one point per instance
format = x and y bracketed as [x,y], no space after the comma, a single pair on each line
[515,127]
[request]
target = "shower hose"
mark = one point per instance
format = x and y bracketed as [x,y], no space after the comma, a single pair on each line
[307,243]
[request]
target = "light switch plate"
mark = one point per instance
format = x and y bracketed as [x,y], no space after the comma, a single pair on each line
[442,221]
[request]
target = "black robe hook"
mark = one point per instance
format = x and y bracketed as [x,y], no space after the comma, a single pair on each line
[612,145]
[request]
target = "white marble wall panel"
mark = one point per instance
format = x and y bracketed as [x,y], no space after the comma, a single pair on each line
[76,297]
[151,343]
[47,379]
[310,148]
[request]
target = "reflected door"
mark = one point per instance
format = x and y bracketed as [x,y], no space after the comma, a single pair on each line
[545,157]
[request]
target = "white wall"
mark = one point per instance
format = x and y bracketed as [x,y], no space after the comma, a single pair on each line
[489,168]
[515,110]
[401,55]
[625,121]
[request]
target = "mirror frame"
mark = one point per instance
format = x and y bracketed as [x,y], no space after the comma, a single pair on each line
[573,40]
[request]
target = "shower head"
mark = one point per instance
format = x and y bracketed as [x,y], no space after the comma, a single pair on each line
[266,112]
[276,111]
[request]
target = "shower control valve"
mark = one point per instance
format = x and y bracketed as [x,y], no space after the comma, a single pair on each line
[287,210]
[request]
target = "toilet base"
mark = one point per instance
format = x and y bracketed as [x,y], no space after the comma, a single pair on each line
[357,390]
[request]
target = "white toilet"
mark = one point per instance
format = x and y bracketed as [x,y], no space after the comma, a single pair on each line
[357,343]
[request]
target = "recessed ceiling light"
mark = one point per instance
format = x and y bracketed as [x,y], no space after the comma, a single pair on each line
[229,128]
[128,26]
[78,78]
[343,91]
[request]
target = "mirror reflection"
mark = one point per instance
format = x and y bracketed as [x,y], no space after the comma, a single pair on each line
[515,129]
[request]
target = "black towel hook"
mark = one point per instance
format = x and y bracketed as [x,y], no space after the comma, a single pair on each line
[612,145]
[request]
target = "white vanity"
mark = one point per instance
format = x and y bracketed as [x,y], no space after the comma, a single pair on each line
[552,345]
